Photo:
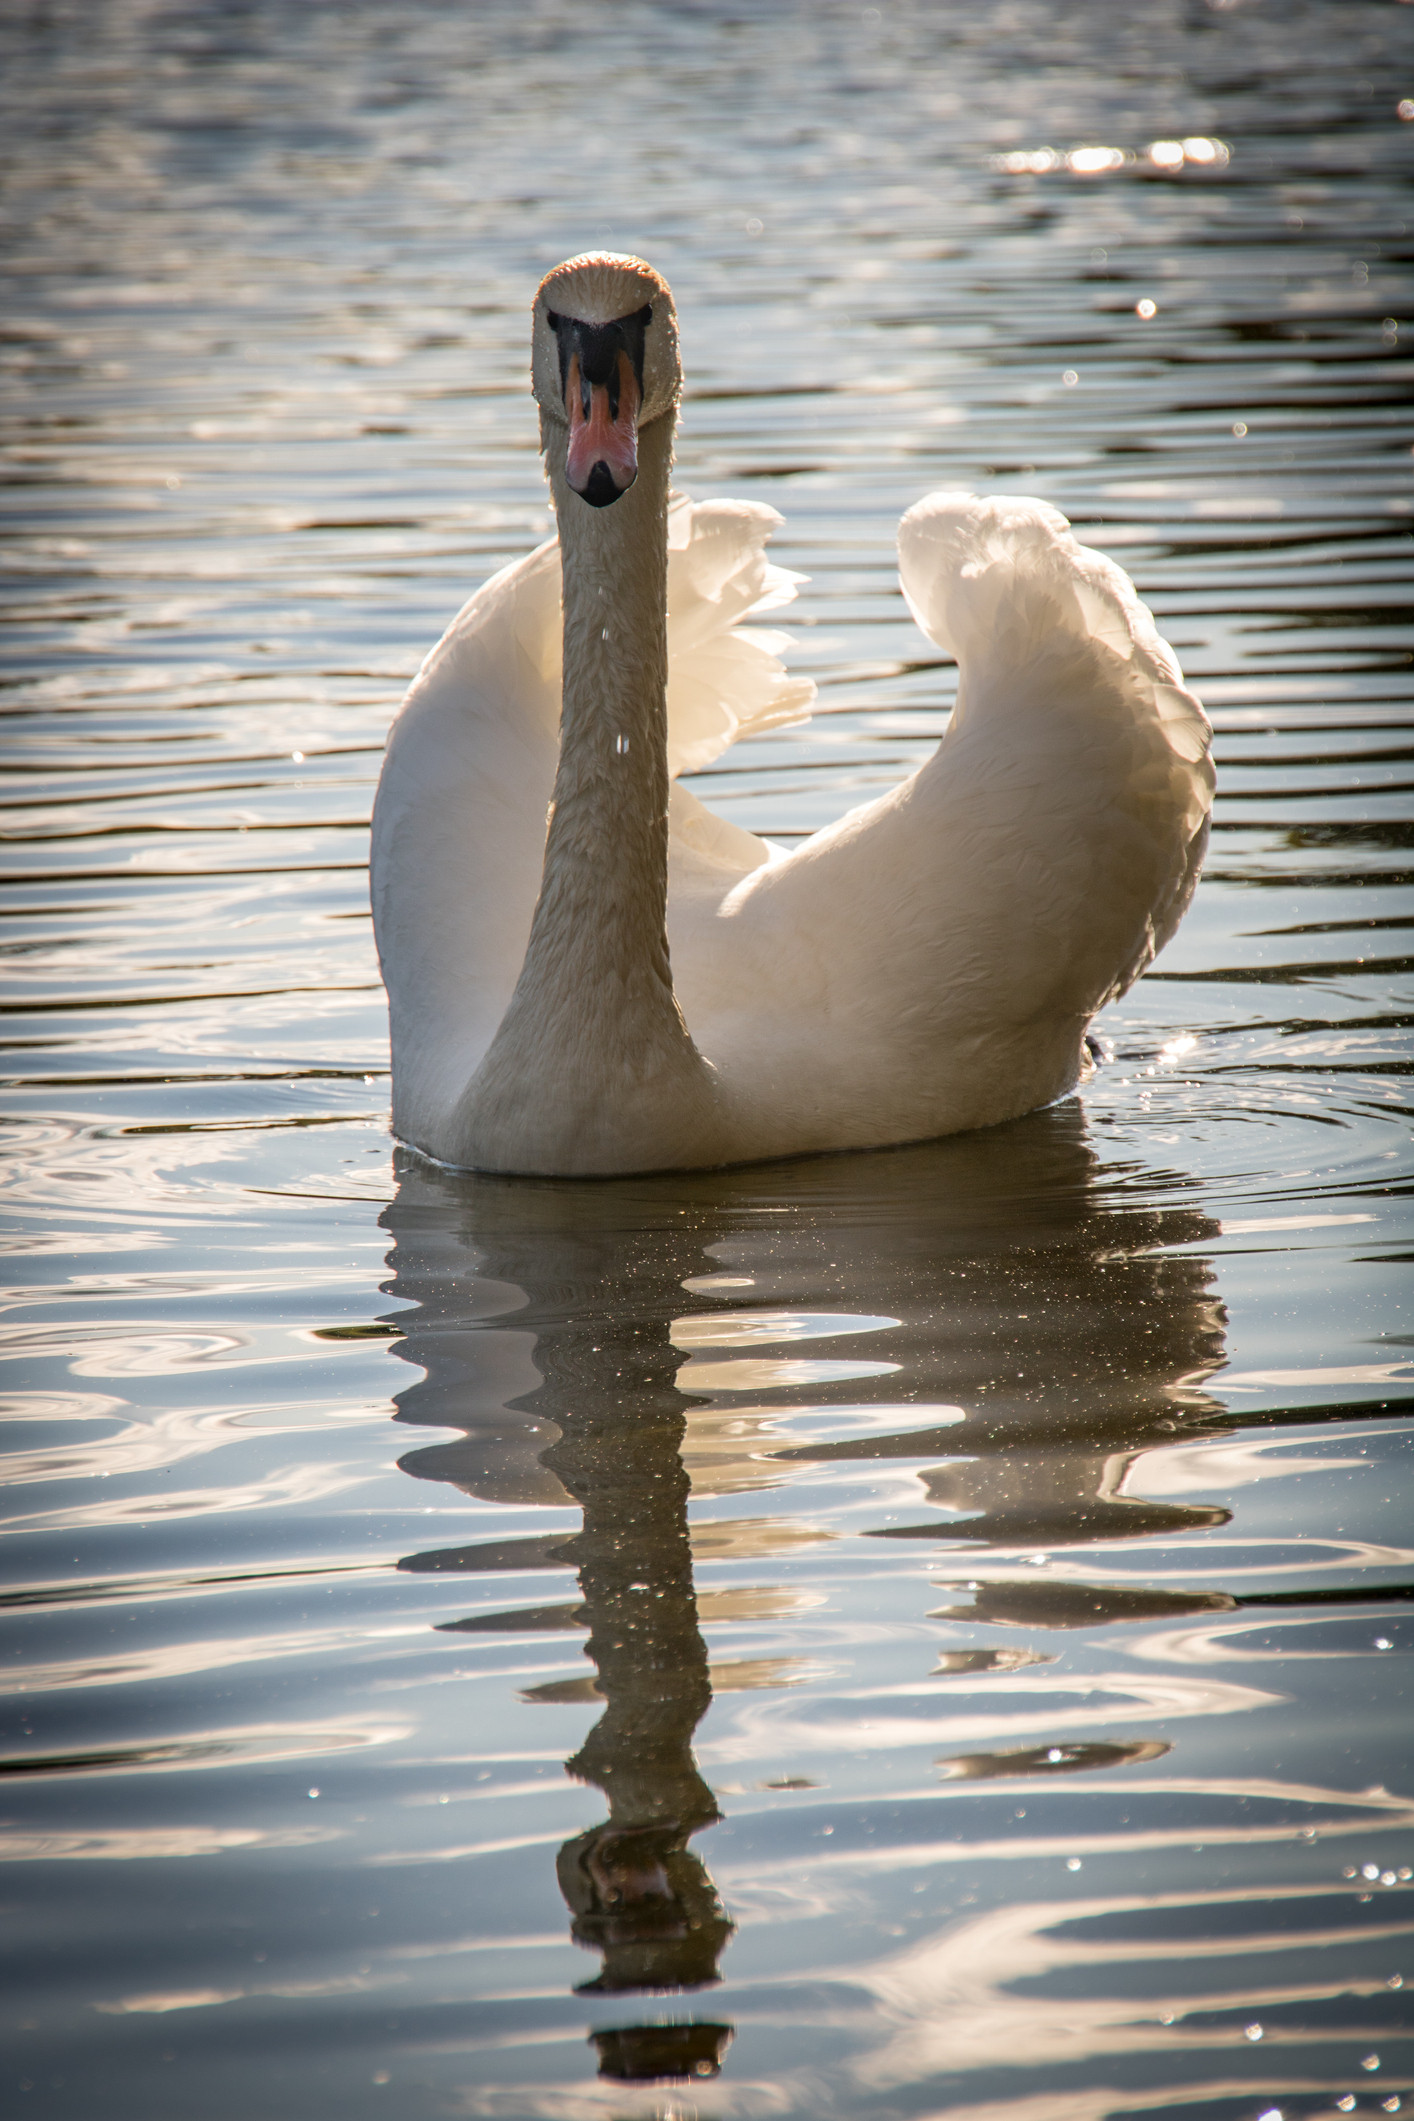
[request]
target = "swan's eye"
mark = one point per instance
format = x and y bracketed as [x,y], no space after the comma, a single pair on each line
[552,320]
[645,315]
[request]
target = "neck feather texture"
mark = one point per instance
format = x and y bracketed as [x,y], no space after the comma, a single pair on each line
[592,1056]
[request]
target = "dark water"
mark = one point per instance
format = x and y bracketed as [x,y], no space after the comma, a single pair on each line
[968,1587]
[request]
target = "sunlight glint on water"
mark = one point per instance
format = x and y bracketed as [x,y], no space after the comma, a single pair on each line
[968,1586]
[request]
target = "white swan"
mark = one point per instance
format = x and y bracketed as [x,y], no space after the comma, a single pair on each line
[927,964]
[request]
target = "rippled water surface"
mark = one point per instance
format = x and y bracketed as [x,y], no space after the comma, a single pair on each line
[885,1636]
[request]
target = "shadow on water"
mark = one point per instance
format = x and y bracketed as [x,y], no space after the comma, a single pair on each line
[1042,1313]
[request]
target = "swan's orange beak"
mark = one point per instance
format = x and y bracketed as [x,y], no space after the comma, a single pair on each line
[601,375]
[603,452]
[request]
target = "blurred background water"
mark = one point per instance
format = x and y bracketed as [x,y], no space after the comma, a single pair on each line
[968,1586]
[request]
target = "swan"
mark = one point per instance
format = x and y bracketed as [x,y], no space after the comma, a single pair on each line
[589,973]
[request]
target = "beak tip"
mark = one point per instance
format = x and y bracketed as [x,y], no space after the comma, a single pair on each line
[600,489]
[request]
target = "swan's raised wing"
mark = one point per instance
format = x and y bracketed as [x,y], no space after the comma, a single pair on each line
[932,959]
[459,821]
[725,680]
[459,832]
[1032,614]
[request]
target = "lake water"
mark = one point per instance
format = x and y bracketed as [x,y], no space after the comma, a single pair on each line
[884,1637]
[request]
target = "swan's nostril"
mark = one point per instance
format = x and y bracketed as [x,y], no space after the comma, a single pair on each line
[599,489]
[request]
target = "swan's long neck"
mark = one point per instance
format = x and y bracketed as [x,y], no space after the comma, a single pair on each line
[593,1048]
[601,919]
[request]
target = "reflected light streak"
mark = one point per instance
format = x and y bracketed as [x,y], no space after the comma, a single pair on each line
[1360,1373]
[749,1329]
[165,1438]
[765,1374]
[1165,1561]
[151,1844]
[171,1660]
[729,1449]
[1207,1645]
[793,1732]
[298,1485]
[159,2002]
[1199,1468]
[958,1989]
[99,1351]
[250,1745]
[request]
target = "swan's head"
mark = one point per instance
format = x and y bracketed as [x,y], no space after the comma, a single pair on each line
[604,363]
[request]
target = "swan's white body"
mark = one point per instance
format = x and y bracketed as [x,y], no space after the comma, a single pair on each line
[927,964]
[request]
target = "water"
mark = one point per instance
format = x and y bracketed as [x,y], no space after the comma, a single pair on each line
[969,1585]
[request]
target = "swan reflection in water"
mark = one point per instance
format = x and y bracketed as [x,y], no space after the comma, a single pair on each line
[604,1428]
[637,1892]
[1015,1290]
